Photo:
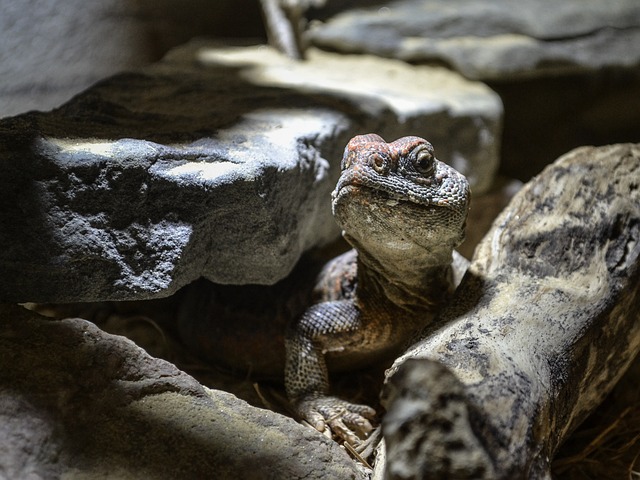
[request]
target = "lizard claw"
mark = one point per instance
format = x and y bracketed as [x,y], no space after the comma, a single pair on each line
[349,421]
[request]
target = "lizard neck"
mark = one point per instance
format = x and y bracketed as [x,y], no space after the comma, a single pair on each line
[415,279]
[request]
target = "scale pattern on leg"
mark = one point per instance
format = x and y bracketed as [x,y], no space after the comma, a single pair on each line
[404,212]
[322,329]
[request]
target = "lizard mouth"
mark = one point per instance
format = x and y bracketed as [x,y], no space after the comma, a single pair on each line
[374,216]
[380,196]
[386,197]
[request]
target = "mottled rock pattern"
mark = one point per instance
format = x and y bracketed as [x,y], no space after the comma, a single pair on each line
[541,328]
[426,397]
[484,210]
[76,402]
[492,39]
[217,163]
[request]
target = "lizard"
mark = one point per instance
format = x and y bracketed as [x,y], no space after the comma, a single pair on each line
[403,212]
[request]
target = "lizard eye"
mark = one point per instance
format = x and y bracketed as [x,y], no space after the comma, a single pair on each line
[423,160]
[378,163]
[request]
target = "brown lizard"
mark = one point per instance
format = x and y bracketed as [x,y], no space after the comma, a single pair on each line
[404,212]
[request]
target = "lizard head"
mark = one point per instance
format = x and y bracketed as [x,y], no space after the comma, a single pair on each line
[397,196]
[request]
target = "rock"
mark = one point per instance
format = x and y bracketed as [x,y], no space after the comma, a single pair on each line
[49,54]
[451,449]
[76,402]
[604,446]
[462,119]
[567,73]
[491,39]
[612,429]
[541,328]
[485,208]
[216,162]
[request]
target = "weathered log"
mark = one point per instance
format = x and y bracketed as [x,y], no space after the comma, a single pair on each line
[543,325]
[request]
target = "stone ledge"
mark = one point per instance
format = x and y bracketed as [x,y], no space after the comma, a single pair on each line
[216,162]
[491,40]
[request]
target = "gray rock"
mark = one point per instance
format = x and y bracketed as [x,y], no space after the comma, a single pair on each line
[493,39]
[216,162]
[541,328]
[461,118]
[484,210]
[55,49]
[76,402]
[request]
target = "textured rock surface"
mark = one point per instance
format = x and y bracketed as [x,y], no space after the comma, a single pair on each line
[462,119]
[54,49]
[492,39]
[215,162]
[484,210]
[539,331]
[76,402]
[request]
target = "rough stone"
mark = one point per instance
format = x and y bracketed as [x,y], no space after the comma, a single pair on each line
[484,210]
[492,39]
[462,119]
[76,402]
[55,49]
[541,328]
[216,163]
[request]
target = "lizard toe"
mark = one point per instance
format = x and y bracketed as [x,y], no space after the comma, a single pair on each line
[316,419]
[357,422]
[348,421]
[340,429]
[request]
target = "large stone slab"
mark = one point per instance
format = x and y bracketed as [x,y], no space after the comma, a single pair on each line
[217,162]
[461,118]
[492,39]
[76,402]
[55,49]
[544,323]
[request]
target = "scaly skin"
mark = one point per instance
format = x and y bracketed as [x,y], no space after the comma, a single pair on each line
[404,212]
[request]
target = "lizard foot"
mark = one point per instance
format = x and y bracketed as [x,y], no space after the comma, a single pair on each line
[349,421]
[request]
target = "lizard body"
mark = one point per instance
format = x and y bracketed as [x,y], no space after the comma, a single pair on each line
[404,212]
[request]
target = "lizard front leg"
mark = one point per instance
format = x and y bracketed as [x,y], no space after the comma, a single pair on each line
[325,327]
